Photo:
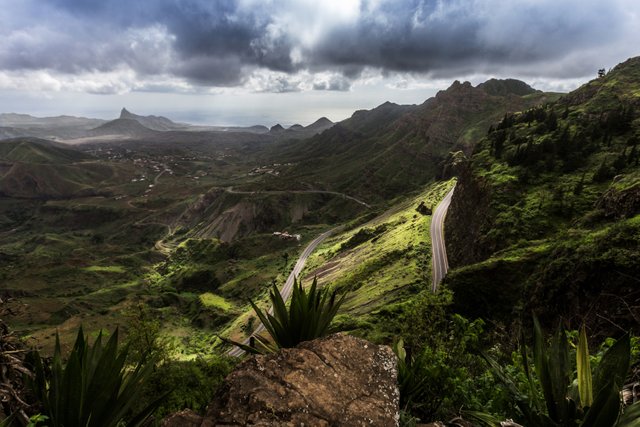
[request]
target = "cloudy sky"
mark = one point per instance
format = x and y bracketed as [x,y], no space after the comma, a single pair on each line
[260,61]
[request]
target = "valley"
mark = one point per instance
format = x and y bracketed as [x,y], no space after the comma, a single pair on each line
[444,223]
[193,222]
[82,247]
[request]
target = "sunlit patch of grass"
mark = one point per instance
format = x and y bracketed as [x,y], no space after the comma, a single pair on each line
[212,300]
[105,269]
[392,259]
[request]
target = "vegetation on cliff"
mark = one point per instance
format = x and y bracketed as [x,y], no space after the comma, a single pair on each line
[555,226]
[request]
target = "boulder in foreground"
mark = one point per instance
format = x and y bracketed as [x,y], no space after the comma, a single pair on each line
[339,380]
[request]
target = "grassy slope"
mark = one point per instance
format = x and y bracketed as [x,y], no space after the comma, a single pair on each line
[204,287]
[560,230]
[390,150]
[381,263]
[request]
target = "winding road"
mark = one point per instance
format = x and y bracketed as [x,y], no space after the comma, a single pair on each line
[288,285]
[440,262]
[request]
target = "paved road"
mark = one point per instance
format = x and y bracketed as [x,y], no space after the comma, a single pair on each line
[440,262]
[287,289]
[335,193]
[155,180]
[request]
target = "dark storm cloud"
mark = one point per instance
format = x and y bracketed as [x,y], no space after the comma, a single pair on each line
[457,37]
[211,42]
[335,83]
[220,43]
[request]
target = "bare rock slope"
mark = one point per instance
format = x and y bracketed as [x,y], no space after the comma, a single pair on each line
[339,380]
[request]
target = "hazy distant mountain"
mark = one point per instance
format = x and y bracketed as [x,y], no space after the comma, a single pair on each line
[10,132]
[276,129]
[298,131]
[320,125]
[158,123]
[125,127]
[251,129]
[399,147]
[60,127]
[25,120]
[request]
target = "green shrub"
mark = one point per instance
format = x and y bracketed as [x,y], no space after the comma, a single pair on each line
[363,235]
[94,388]
[551,391]
[436,380]
[190,384]
[308,317]
[196,279]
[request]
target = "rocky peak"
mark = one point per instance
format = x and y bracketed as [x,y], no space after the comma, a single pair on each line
[506,87]
[456,85]
[455,90]
[339,380]
[322,121]
[126,114]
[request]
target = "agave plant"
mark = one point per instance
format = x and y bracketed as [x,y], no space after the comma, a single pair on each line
[414,387]
[308,317]
[94,388]
[591,400]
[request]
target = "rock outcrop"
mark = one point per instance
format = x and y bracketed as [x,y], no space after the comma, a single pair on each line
[468,219]
[339,380]
[620,203]
[13,371]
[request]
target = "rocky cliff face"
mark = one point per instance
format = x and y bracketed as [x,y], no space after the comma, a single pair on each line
[339,380]
[545,216]
[620,203]
[466,218]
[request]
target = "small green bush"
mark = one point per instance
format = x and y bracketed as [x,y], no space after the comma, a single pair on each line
[549,390]
[188,384]
[94,388]
[308,317]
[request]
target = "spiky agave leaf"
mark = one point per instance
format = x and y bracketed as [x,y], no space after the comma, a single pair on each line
[630,417]
[94,388]
[541,363]
[308,316]
[585,383]
[411,381]
[605,409]
[553,370]
[614,364]
[560,371]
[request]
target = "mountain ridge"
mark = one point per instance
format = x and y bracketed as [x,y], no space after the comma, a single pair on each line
[400,146]
[123,127]
[157,123]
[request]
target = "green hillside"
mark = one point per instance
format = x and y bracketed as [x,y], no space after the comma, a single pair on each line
[33,168]
[545,214]
[38,151]
[392,149]
[382,263]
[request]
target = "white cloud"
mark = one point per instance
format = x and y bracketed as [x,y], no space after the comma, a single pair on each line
[120,81]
